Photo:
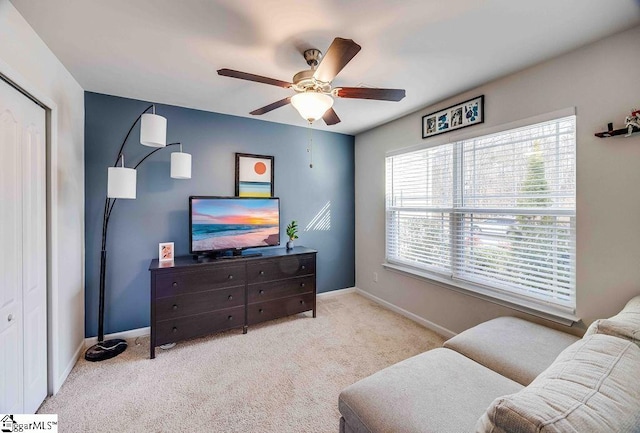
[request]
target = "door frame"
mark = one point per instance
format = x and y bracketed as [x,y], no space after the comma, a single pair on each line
[16,80]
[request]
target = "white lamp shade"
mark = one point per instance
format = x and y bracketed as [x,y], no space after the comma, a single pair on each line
[121,182]
[180,165]
[153,130]
[311,105]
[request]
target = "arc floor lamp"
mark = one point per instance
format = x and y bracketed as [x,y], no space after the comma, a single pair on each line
[121,183]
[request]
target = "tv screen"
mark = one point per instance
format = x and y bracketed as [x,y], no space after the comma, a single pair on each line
[233,223]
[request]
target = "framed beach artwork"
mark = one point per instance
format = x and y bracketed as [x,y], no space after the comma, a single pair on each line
[457,116]
[254,175]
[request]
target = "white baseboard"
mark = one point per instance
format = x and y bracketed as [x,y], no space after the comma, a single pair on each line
[133,333]
[409,315]
[336,292]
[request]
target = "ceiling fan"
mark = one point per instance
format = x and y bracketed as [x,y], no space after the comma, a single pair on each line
[313,98]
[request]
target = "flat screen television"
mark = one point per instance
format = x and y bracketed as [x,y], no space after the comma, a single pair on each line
[223,224]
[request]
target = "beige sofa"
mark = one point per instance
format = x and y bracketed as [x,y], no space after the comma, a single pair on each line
[508,375]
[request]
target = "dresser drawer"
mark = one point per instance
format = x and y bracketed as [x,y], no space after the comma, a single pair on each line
[198,303]
[262,311]
[260,271]
[177,283]
[280,289]
[172,330]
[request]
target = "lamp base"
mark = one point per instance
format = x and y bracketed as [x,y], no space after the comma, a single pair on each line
[105,350]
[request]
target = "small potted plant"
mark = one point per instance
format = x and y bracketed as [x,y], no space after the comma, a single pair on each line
[292,232]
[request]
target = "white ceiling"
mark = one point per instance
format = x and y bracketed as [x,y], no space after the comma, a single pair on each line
[168,51]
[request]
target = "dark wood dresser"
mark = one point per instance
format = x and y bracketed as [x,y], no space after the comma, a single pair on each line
[192,298]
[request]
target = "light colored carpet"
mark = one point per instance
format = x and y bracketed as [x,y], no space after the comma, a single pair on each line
[283,376]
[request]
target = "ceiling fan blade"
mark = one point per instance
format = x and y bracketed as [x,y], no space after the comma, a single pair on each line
[370,93]
[252,77]
[339,53]
[270,107]
[330,117]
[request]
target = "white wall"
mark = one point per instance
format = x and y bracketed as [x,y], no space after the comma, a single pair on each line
[26,60]
[601,81]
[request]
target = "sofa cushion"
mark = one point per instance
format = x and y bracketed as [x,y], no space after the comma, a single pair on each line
[513,347]
[625,324]
[593,386]
[436,391]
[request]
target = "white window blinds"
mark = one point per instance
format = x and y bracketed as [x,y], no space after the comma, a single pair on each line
[496,211]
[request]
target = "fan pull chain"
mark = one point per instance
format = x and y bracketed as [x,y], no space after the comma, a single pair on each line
[310,147]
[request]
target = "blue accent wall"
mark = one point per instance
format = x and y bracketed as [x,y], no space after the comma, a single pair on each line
[321,198]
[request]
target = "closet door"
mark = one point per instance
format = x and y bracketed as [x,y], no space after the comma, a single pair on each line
[23,294]
[11,397]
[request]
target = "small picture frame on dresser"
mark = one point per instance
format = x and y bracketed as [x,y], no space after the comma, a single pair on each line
[165,252]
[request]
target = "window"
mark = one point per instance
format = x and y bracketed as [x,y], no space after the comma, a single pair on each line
[495,212]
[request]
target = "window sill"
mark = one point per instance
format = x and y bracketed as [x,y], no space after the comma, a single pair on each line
[556,315]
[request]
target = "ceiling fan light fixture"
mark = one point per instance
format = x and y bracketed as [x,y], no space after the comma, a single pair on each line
[311,105]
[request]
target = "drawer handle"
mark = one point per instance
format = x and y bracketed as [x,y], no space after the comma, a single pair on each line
[230,298]
[303,267]
[175,307]
[260,311]
[231,277]
[175,284]
[174,330]
[261,272]
[229,317]
[301,302]
[301,284]
[261,292]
